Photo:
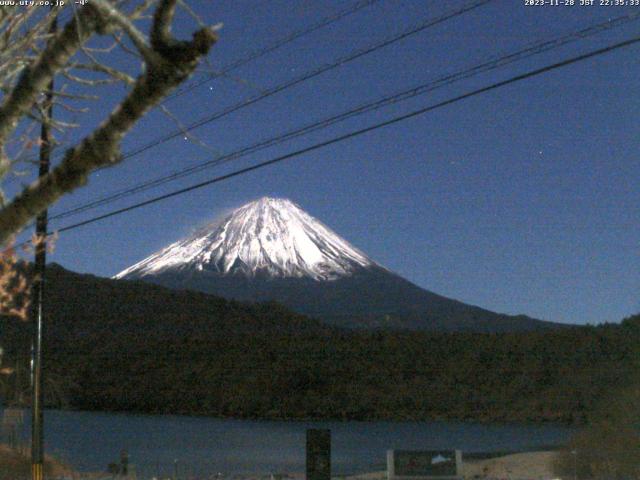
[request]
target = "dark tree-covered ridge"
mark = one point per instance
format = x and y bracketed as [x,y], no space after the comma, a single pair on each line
[132,346]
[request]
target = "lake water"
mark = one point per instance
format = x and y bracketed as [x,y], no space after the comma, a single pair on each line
[204,446]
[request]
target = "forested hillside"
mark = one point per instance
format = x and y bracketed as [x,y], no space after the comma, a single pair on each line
[112,345]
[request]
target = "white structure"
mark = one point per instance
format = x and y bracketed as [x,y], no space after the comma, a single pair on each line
[424,464]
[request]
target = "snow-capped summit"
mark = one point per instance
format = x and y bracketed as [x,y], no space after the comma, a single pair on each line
[271,236]
[271,250]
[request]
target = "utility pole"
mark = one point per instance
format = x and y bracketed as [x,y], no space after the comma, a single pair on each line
[37,437]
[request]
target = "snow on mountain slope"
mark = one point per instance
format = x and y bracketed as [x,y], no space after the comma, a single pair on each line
[268,236]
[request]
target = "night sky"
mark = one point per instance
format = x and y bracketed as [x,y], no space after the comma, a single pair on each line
[520,200]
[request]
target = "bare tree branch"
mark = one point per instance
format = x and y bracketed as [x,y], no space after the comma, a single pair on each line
[93,82]
[161,29]
[168,63]
[35,79]
[137,37]
[112,72]
[141,9]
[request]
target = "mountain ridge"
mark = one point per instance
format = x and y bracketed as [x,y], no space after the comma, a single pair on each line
[132,346]
[271,250]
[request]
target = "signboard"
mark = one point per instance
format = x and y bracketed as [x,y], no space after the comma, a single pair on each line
[424,464]
[12,417]
[318,454]
[12,425]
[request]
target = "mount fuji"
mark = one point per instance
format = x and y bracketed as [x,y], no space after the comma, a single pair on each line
[269,237]
[272,250]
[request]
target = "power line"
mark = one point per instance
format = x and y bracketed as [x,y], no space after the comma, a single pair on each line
[486,66]
[428,23]
[424,25]
[276,45]
[310,74]
[359,132]
[254,55]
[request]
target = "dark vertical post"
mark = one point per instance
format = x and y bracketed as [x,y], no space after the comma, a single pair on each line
[37,434]
[318,454]
[124,463]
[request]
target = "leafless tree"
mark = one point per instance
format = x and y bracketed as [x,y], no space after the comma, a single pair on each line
[32,54]
[75,45]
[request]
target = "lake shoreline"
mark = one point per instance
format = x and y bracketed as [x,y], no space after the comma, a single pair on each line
[483,420]
[517,466]
[90,441]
